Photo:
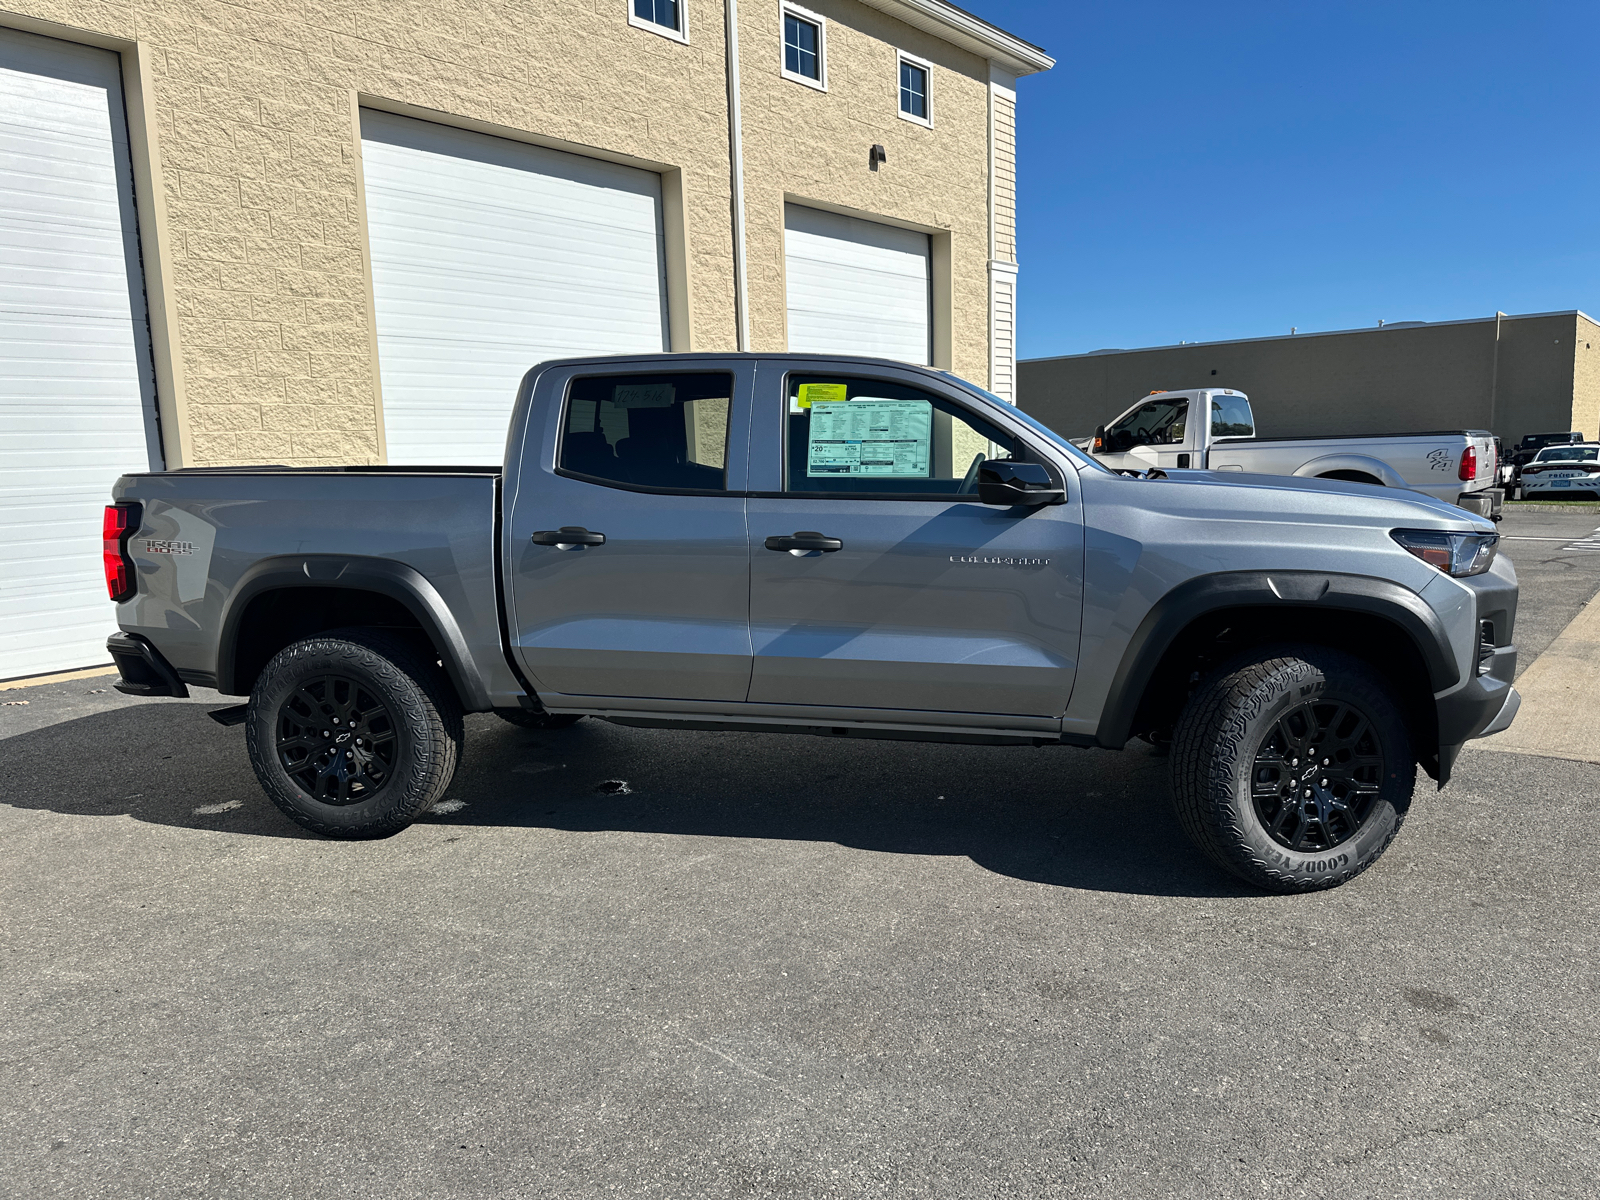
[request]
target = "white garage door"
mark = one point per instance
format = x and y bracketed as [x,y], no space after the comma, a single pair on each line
[76,394]
[489,256]
[856,287]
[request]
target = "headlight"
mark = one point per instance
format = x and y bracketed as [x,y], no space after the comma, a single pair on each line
[1453,553]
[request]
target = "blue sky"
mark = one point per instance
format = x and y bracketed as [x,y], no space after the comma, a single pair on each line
[1195,171]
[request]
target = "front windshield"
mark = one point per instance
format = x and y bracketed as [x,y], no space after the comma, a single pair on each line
[1044,431]
[1569,454]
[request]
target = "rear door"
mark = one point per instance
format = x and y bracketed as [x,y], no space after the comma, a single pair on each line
[627,560]
[932,601]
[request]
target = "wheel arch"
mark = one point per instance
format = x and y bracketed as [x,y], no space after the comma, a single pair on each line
[1357,464]
[1203,621]
[319,592]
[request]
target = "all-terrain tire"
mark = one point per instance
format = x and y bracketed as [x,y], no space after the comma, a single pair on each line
[1233,724]
[523,719]
[421,720]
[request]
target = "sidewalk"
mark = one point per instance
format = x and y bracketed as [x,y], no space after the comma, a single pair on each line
[1559,715]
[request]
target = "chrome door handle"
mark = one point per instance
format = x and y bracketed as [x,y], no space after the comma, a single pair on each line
[568,537]
[806,539]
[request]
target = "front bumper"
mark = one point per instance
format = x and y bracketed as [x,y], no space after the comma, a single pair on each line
[1508,714]
[1485,703]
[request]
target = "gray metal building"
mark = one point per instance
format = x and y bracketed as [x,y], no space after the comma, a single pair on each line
[1511,374]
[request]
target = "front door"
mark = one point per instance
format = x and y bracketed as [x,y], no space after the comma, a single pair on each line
[1153,435]
[627,557]
[930,601]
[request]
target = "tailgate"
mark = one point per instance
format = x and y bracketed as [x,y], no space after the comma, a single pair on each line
[1483,446]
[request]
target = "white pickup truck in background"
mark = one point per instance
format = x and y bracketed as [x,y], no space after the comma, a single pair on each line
[1456,466]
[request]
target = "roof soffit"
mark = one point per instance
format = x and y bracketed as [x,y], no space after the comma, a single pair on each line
[977,36]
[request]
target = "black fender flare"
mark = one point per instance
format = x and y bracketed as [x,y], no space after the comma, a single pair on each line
[397,581]
[1174,612]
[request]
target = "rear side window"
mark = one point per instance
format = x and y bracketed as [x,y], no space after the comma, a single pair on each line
[868,437]
[1231,417]
[667,431]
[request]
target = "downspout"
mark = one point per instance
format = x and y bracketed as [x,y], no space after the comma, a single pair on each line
[741,283]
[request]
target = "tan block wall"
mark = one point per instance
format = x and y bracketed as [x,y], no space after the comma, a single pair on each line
[255,104]
[813,146]
[1375,381]
[1586,378]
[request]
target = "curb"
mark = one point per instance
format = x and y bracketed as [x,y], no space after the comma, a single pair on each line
[9,685]
[1583,506]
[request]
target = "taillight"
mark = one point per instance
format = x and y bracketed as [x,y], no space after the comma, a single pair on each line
[1469,465]
[121,522]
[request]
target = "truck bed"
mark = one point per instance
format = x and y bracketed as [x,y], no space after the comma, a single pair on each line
[272,523]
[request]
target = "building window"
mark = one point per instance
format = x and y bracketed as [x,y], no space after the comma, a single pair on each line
[805,53]
[659,16]
[914,77]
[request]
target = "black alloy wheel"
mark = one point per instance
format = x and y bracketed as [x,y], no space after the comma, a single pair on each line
[1318,772]
[336,739]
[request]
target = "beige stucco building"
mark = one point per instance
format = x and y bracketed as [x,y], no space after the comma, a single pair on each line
[301,232]
[250,146]
[1510,374]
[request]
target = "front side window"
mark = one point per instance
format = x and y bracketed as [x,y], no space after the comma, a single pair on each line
[802,46]
[869,437]
[913,90]
[665,431]
[1156,423]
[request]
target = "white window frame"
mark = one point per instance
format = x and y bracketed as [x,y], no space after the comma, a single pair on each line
[927,73]
[676,35]
[805,14]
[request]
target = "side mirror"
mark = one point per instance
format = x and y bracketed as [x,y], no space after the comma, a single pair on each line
[1010,483]
[1098,446]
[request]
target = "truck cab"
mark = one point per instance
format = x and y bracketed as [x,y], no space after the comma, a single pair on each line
[1174,430]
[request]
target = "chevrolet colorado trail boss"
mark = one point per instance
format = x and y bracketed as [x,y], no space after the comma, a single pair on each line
[836,546]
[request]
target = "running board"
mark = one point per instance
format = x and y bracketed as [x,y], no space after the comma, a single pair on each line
[895,733]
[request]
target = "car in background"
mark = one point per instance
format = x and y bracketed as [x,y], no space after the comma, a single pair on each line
[1563,472]
[1527,449]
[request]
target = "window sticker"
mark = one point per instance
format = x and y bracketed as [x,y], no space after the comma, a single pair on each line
[823,393]
[870,438]
[642,395]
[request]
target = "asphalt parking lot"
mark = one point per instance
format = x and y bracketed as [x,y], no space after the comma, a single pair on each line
[780,966]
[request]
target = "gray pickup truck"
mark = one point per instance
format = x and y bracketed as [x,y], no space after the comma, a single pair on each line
[834,546]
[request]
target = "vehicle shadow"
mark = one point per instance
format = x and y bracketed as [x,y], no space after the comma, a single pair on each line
[1059,816]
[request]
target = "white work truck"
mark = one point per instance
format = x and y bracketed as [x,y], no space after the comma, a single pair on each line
[1162,431]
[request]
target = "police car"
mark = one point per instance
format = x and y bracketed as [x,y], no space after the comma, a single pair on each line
[1563,472]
